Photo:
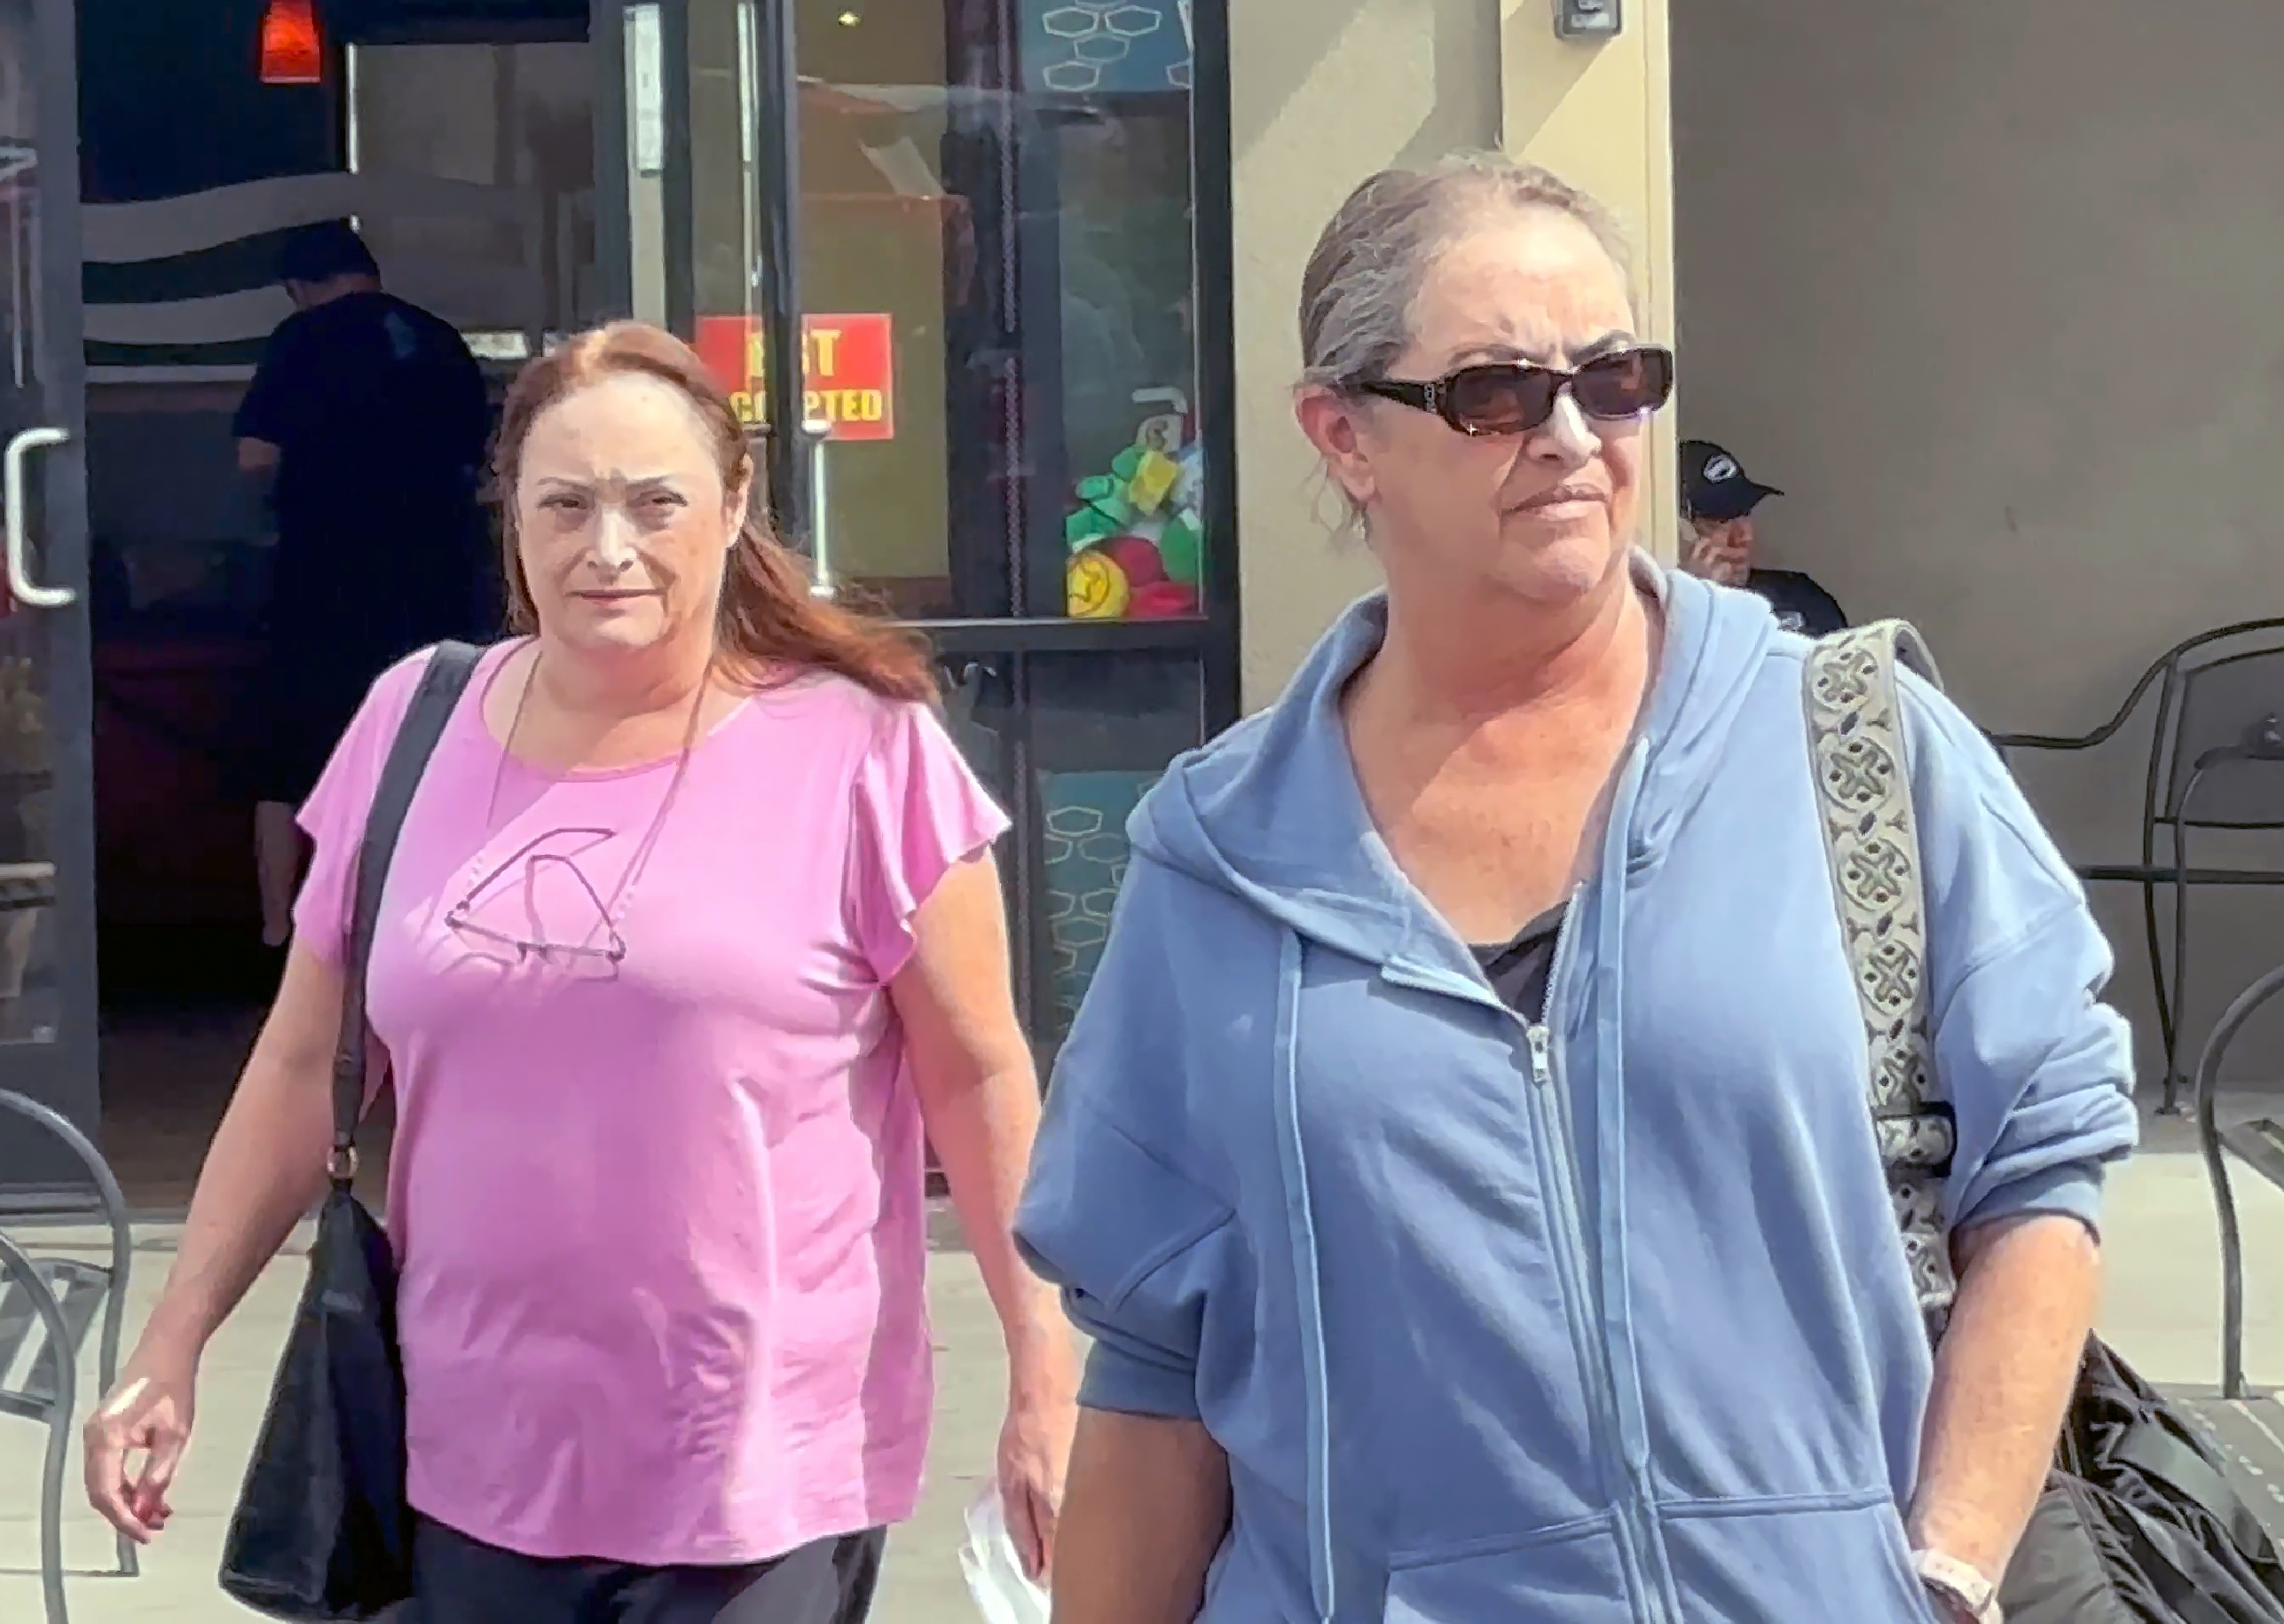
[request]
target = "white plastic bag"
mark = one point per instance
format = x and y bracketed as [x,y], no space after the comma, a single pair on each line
[1004,1594]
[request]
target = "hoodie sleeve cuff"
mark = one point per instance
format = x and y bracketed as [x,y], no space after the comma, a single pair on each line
[2071,1190]
[1129,1382]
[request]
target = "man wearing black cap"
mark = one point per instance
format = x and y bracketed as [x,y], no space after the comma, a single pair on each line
[369,417]
[1717,499]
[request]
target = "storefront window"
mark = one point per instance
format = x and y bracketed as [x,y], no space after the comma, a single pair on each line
[1103,727]
[477,191]
[1007,427]
[1069,742]
[994,241]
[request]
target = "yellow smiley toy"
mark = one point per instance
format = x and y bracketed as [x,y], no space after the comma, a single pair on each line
[1097,588]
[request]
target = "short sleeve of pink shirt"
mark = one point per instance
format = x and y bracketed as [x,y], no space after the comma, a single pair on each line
[689,1176]
[919,810]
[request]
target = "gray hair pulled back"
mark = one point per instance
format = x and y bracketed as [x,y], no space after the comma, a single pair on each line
[1363,277]
[1364,274]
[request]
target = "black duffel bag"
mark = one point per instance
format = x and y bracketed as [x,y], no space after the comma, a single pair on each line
[2139,1523]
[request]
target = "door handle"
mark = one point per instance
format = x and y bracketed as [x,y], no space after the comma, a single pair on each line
[21,584]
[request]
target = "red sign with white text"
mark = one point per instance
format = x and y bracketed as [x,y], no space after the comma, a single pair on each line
[849,367]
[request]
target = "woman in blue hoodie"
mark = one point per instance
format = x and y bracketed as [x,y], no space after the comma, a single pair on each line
[1462,1160]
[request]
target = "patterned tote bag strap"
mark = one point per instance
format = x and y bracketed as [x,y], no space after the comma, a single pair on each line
[1870,836]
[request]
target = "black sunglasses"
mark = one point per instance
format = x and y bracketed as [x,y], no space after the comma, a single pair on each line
[1514,397]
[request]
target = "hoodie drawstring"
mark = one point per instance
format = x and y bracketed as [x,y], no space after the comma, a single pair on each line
[1301,1221]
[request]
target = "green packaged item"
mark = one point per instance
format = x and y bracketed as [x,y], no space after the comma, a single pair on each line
[1087,526]
[1181,549]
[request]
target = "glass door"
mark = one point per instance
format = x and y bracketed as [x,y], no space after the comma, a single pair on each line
[966,264]
[47,915]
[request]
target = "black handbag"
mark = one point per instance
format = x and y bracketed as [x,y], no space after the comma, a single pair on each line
[2137,1523]
[322,1531]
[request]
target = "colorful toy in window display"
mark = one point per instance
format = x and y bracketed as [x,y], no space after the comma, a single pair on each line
[1097,587]
[1136,537]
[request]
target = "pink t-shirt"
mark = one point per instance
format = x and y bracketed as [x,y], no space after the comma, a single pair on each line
[660,1215]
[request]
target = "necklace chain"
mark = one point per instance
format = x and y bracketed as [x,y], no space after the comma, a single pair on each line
[621,897]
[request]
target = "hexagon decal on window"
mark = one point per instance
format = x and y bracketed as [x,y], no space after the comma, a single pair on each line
[1133,21]
[1071,77]
[1083,932]
[1070,23]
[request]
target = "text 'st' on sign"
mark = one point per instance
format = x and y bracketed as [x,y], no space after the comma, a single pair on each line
[849,367]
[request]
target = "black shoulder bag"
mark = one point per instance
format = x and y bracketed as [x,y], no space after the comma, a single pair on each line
[322,1531]
[2137,1523]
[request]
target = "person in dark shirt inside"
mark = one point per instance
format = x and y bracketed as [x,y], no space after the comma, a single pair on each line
[371,416]
[1717,499]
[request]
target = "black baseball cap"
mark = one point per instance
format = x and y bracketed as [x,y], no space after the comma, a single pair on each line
[1715,485]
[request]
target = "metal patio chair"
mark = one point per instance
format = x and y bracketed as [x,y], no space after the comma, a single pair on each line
[48,1306]
[2216,761]
[2259,1144]
[2248,1427]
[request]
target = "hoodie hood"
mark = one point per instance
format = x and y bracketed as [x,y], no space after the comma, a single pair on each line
[1271,812]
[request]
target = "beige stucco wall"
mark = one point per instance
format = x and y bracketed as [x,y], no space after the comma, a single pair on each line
[1993,292]
[1323,93]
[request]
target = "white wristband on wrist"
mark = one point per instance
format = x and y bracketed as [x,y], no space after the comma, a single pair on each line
[1961,1584]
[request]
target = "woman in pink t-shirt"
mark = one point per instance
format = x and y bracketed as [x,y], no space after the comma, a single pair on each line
[693,930]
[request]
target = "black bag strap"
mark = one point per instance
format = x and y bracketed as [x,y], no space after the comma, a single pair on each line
[441,683]
[2154,1451]
[2178,1591]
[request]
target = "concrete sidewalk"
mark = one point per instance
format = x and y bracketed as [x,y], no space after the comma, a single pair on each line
[2163,1312]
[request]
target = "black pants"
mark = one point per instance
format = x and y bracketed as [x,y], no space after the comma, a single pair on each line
[459,1580]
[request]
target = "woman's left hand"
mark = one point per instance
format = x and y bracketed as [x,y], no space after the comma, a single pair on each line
[1035,1447]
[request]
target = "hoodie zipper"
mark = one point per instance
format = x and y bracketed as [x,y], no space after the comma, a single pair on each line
[1558,1172]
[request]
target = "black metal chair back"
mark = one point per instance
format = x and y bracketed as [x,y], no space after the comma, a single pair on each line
[2220,698]
[48,1308]
[2260,1143]
[2223,750]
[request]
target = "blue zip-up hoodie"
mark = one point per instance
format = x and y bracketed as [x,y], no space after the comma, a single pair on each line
[1602,1320]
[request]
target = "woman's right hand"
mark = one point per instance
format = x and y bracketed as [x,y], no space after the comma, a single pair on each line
[135,1440]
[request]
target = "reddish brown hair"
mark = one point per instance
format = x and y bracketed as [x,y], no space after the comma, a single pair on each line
[769,623]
